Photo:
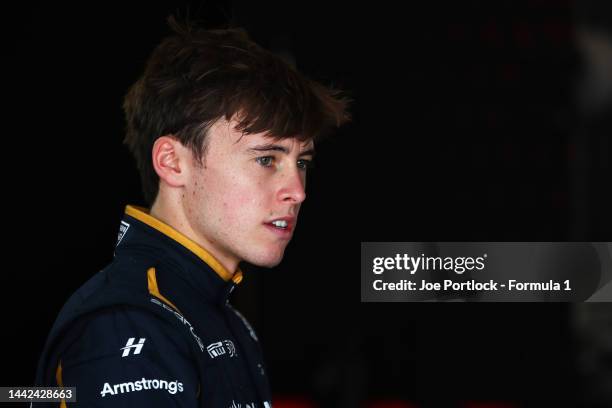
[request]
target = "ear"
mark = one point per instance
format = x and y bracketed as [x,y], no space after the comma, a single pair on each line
[171,160]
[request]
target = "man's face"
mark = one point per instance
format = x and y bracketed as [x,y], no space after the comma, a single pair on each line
[246,183]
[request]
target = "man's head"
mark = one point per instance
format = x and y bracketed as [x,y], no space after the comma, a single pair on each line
[222,131]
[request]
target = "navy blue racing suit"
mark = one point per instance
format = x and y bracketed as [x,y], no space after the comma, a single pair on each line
[155,329]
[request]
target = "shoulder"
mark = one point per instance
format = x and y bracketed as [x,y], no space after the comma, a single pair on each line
[124,353]
[107,332]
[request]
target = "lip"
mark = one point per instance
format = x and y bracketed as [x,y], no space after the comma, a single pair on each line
[283,233]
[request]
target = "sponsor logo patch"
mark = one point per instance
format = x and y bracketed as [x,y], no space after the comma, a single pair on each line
[182,319]
[266,404]
[131,346]
[141,385]
[221,348]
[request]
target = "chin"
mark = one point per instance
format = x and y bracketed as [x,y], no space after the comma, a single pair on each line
[268,263]
[266,260]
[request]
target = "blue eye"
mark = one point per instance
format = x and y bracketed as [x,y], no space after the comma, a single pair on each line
[265,161]
[305,164]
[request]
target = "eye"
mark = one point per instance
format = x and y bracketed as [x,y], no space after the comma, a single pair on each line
[265,161]
[305,164]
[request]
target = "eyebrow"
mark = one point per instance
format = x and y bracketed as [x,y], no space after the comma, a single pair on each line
[278,148]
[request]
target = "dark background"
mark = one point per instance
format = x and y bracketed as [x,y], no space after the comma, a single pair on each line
[466,127]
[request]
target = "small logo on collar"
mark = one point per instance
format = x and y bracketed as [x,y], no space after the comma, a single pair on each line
[122,230]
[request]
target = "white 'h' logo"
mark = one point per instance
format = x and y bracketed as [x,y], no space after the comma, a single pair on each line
[130,345]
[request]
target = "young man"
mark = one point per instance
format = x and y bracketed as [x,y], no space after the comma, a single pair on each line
[223,133]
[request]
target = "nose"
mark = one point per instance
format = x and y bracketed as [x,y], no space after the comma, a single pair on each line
[293,187]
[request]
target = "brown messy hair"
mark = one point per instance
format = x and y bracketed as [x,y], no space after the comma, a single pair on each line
[196,77]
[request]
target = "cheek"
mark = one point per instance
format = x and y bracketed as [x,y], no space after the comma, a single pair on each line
[240,202]
[233,197]
[243,201]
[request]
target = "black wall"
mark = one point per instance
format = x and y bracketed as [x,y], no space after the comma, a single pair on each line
[463,130]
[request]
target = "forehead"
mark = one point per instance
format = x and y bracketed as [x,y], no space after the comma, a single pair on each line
[228,137]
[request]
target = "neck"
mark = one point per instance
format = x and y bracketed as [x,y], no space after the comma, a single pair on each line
[172,214]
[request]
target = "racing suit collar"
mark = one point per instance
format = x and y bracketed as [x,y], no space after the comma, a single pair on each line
[175,247]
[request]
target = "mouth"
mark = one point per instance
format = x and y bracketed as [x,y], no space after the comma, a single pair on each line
[282,227]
